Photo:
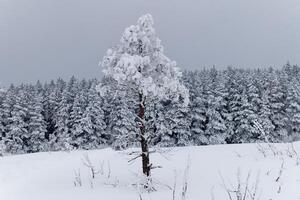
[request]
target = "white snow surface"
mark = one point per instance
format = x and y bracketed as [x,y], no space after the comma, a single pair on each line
[50,176]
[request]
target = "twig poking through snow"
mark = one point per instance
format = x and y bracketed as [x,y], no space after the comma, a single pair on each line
[280,171]
[296,154]
[87,162]
[242,190]
[185,180]
[174,186]
[77,181]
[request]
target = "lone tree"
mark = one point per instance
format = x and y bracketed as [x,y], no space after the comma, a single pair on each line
[138,69]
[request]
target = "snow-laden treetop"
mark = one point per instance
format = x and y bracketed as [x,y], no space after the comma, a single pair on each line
[2,89]
[139,63]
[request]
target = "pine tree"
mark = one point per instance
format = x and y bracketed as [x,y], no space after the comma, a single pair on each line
[244,119]
[293,109]
[17,135]
[233,102]
[277,105]
[139,67]
[50,104]
[158,124]
[2,124]
[122,124]
[264,119]
[61,139]
[75,120]
[92,124]
[197,110]
[170,124]
[37,126]
[215,130]
[198,121]
[95,115]
[180,124]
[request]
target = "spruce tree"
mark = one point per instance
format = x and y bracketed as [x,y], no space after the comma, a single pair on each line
[61,139]
[37,126]
[17,134]
[92,123]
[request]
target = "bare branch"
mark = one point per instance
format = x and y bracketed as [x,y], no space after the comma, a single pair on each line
[280,171]
[134,158]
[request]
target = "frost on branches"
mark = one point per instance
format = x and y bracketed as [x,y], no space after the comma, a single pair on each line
[137,69]
[139,64]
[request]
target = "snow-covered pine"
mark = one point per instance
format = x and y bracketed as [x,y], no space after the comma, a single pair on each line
[169,124]
[198,121]
[50,103]
[239,112]
[139,67]
[6,108]
[93,122]
[17,135]
[61,139]
[75,121]
[53,97]
[277,105]
[293,105]
[158,124]
[36,126]
[215,130]
[197,113]
[65,122]
[2,125]
[180,124]
[246,114]
[122,124]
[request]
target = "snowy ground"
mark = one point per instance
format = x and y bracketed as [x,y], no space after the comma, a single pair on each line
[51,175]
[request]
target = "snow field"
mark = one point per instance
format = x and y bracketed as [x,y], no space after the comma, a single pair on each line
[51,176]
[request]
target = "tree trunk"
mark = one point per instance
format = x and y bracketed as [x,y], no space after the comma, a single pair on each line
[144,143]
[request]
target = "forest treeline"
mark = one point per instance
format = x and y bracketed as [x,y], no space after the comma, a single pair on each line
[226,106]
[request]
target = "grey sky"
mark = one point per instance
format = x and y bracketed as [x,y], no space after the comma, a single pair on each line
[44,39]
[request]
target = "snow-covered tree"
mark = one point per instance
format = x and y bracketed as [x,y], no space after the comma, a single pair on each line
[17,135]
[6,108]
[233,86]
[138,67]
[61,139]
[293,109]
[215,130]
[92,123]
[169,124]
[2,126]
[278,108]
[122,125]
[50,104]
[180,124]
[75,120]
[2,119]
[264,119]
[36,126]
[198,121]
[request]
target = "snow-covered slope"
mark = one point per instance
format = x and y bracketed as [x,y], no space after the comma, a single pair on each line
[51,175]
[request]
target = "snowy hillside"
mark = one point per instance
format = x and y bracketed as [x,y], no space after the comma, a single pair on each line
[52,175]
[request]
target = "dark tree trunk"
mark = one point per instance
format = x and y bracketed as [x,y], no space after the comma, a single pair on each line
[144,143]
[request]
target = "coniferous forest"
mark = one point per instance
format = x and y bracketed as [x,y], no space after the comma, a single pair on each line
[226,106]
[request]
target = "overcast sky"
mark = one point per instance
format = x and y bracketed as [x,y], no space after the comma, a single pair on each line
[45,39]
